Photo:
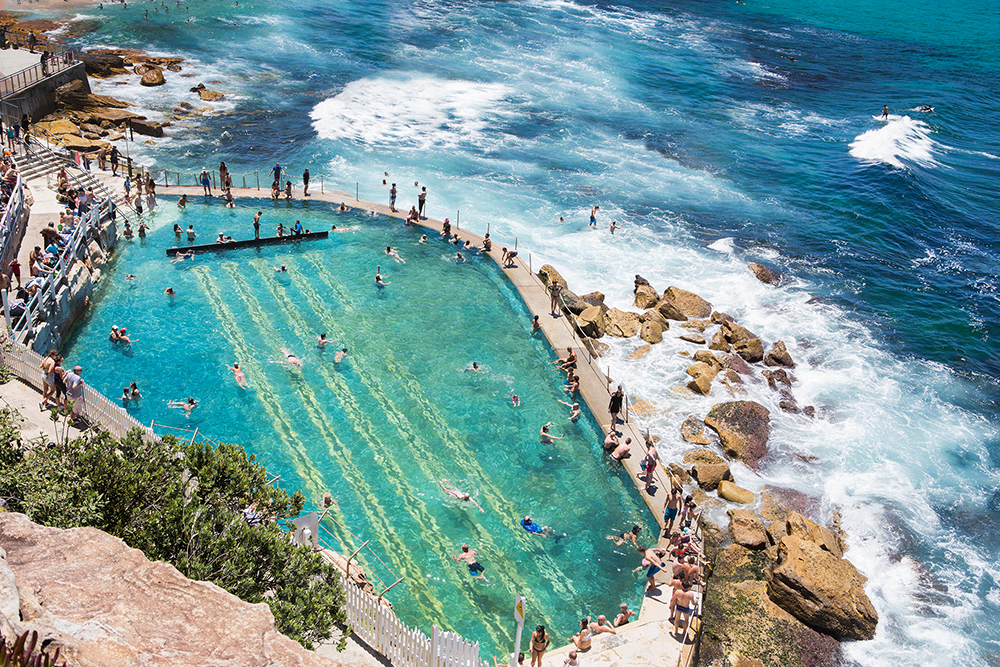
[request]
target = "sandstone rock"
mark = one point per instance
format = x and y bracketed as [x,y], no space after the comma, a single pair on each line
[596,347]
[153,77]
[93,129]
[185,105]
[699,369]
[621,323]
[102,66]
[719,342]
[736,494]
[689,303]
[593,299]
[697,325]
[61,126]
[174,68]
[778,356]
[74,143]
[644,408]
[807,529]
[708,475]
[733,377]
[744,343]
[736,332]
[721,318]
[76,96]
[10,602]
[653,315]
[114,117]
[764,274]
[743,427]
[788,402]
[701,385]
[651,332]
[572,302]
[702,456]
[774,378]
[809,411]
[210,95]
[592,322]
[97,256]
[680,473]
[736,363]
[821,590]
[142,69]
[146,127]
[102,603]
[706,357]
[739,660]
[746,529]
[693,338]
[547,273]
[639,353]
[645,297]
[693,431]
[670,311]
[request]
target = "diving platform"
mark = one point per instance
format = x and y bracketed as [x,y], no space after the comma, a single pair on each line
[249,243]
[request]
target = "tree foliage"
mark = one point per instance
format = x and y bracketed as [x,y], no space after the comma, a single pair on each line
[182,503]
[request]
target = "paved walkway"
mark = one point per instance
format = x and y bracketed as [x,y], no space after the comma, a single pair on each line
[35,424]
[15,60]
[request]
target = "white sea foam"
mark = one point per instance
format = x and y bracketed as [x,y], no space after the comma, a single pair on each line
[901,140]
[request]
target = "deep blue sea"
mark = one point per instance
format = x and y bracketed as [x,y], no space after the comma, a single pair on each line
[719,134]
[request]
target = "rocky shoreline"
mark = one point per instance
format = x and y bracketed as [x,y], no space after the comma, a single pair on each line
[780,590]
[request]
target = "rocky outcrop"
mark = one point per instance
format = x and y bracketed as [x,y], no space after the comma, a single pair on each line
[735,494]
[689,303]
[103,65]
[693,431]
[702,456]
[744,342]
[645,297]
[620,323]
[822,590]
[708,475]
[743,428]
[807,529]
[593,299]
[102,603]
[153,76]
[639,352]
[702,375]
[693,338]
[746,529]
[776,377]
[146,127]
[778,356]
[669,310]
[592,322]
[547,273]
[719,342]
[764,274]
[651,332]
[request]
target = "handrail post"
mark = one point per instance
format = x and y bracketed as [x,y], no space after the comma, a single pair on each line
[387,590]
[348,570]
[257,174]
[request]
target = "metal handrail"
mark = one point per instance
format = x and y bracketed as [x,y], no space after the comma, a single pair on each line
[58,61]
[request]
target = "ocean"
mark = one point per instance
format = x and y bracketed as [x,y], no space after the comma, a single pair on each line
[718,134]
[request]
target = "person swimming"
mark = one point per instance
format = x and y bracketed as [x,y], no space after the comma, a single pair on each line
[460,495]
[547,438]
[187,406]
[542,531]
[378,279]
[291,358]
[515,400]
[238,375]
[337,358]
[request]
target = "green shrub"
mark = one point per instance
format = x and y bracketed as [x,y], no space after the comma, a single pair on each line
[181,503]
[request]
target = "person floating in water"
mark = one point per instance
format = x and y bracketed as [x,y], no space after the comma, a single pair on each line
[515,400]
[238,375]
[280,269]
[182,256]
[626,537]
[885,112]
[378,279]
[392,252]
[468,556]
[542,531]
[546,438]
[460,495]
[187,406]
[473,368]
[291,358]
[322,341]
[337,358]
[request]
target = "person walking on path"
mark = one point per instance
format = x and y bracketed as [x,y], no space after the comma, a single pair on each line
[256,224]
[15,270]
[114,160]
[392,198]
[422,201]
[615,406]
[652,457]
[305,183]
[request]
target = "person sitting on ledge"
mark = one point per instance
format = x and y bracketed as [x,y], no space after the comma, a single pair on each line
[487,244]
[280,229]
[275,190]
[288,189]
[221,239]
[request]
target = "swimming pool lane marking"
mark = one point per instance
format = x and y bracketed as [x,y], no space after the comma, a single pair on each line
[449,438]
[395,476]
[343,296]
[282,426]
[548,569]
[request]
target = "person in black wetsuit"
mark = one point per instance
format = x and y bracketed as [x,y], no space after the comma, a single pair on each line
[615,406]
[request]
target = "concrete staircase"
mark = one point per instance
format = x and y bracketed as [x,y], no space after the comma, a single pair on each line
[40,165]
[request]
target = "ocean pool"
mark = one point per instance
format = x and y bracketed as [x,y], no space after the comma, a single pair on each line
[379,429]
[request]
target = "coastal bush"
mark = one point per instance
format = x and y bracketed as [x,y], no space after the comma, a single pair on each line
[209,511]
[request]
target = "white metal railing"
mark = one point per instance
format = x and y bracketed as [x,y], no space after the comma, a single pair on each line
[378,626]
[95,407]
[9,221]
[51,282]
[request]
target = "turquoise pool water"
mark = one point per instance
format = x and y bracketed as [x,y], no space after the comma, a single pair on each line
[399,413]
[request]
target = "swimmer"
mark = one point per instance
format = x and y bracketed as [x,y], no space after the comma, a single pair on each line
[536,326]
[129,276]
[473,368]
[322,341]
[468,556]
[291,358]
[280,269]
[125,397]
[133,390]
[177,229]
[460,495]
[378,278]
[343,207]
[169,291]
[238,375]
[542,531]
[629,536]
[182,202]
[337,358]
[515,400]
[182,256]
[123,337]
[392,252]
[547,438]
[423,238]
[459,257]
[187,406]
[614,226]
[574,411]
[572,384]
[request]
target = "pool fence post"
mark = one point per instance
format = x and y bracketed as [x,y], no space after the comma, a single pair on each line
[515,244]
[458,218]
[348,570]
[244,181]
[6,307]
[357,191]
[519,618]
[165,183]
[434,646]
[487,229]
[321,183]
[257,174]
[530,270]
[213,178]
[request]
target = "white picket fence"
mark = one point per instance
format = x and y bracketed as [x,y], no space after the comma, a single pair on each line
[378,626]
[96,407]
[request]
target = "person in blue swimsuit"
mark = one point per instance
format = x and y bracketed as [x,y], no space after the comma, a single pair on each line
[593,216]
[542,531]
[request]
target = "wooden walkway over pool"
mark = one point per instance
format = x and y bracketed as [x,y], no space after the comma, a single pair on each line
[220,246]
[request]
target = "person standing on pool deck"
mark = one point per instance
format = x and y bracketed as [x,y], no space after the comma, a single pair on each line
[422,201]
[615,406]
[276,170]
[305,183]
[540,641]
[468,556]
[555,289]
[392,198]
[256,224]
[593,216]
[206,182]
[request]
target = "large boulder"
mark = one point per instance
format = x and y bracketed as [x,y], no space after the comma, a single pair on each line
[778,356]
[593,299]
[592,322]
[702,375]
[646,297]
[572,302]
[210,95]
[764,274]
[670,310]
[146,127]
[653,315]
[693,431]
[821,590]
[735,494]
[689,303]
[708,475]
[776,377]
[60,126]
[640,352]
[547,273]
[651,331]
[102,603]
[743,427]
[153,76]
[719,342]
[807,529]
[621,323]
[701,455]
[101,65]
[706,357]
[747,530]
[751,349]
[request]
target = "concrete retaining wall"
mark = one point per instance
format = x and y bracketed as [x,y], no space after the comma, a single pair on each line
[40,99]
